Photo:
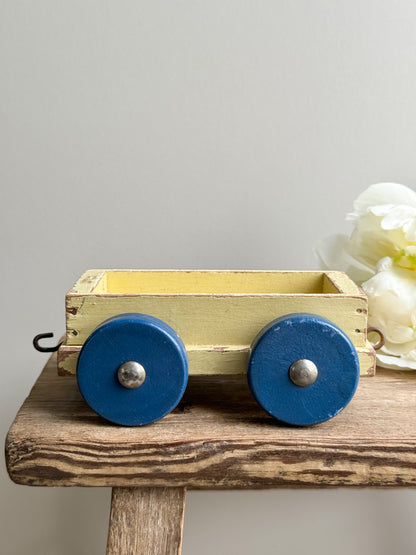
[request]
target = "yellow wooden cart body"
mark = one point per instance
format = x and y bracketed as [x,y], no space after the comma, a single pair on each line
[217,314]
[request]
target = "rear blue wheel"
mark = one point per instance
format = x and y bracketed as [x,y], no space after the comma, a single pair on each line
[133,369]
[303,369]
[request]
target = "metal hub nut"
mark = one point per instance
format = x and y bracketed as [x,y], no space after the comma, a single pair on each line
[131,374]
[303,372]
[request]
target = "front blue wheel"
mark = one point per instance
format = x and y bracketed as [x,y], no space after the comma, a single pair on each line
[303,369]
[133,369]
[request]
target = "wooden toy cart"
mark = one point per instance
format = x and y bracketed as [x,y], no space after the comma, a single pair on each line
[297,325]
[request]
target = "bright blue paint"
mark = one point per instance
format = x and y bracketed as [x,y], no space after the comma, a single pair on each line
[147,340]
[293,337]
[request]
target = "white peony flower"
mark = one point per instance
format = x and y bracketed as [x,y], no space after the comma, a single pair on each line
[391,296]
[380,255]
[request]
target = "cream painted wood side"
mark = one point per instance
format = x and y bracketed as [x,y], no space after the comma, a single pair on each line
[213,282]
[229,360]
[202,360]
[367,359]
[214,319]
[342,283]
[90,280]
[67,359]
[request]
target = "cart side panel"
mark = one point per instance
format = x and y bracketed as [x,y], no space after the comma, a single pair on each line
[215,320]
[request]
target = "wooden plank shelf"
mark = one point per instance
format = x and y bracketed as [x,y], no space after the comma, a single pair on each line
[217,438]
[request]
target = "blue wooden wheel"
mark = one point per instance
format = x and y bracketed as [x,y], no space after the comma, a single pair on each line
[133,369]
[303,369]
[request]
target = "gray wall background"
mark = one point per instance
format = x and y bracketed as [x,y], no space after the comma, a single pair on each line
[220,134]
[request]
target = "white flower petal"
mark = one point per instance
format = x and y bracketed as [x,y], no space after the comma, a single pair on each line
[369,242]
[398,217]
[410,231]
[395,363]
[391,296]
[398,350]
[332,255]
[385,264]
[380,209]
[399,333]
[382,193]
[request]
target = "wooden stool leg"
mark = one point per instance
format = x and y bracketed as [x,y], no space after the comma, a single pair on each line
[146,521]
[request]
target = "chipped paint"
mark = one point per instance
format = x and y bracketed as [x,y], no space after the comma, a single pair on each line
[218,327]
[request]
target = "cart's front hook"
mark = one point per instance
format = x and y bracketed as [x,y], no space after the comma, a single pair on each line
[44,349]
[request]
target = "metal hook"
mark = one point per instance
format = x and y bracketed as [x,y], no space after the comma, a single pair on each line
[44,349]
[382,339]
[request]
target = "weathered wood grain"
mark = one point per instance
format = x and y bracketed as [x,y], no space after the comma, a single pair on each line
[146,521]
[217,438]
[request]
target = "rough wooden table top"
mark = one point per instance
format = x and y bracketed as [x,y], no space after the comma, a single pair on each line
[217,438]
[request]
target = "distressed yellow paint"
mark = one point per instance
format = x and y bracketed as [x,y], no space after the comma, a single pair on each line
[338,282]
[216,320]
[90,280]
[211,282]
[216,313]
[367,360]
[208,360]
[67,362]
[203,359]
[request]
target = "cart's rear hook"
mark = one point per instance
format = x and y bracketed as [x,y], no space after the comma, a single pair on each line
[40,336]
[382,339]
